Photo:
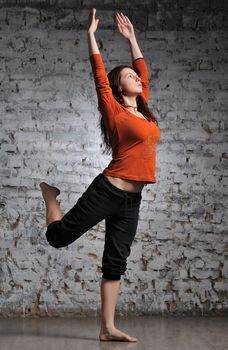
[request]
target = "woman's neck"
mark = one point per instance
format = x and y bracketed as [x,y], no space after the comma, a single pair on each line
[130,103]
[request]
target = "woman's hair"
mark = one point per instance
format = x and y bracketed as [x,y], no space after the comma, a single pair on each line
[114,79]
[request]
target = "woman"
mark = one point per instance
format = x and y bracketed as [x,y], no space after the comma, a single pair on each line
[130,130]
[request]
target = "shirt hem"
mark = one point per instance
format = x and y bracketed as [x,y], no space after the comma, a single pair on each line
[153,180]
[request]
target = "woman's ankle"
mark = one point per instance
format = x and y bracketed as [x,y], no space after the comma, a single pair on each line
[106,326]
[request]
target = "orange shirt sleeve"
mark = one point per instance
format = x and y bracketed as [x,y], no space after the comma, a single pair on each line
[140,67]
[107,103]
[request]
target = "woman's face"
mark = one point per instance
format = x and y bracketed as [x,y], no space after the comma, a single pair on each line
[130,82]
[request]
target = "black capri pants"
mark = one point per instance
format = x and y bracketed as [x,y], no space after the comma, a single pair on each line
[101,200]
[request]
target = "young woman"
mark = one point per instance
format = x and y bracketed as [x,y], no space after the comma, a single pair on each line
[130,131]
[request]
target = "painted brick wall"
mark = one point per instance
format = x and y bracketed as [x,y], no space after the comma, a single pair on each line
[49,131]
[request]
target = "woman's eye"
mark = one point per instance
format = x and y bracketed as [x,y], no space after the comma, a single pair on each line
[132,76]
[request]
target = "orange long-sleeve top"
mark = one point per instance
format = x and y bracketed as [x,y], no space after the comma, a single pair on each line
[133,139]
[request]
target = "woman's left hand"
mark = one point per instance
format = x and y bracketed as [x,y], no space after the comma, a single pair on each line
[124,25]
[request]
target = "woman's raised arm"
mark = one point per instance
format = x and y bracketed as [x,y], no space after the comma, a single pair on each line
[126,29]
[92,27]
[108,105]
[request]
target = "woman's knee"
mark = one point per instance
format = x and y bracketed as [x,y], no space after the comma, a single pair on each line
[51,235]
[113,267]
[54,235]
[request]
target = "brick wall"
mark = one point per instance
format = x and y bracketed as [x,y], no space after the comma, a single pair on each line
[49,131]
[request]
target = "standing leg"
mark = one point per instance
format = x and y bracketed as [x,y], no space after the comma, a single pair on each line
[109,293]
[120,233]
[50,193]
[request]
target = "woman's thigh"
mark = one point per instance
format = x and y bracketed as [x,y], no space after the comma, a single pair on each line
[95,204]
[120,231]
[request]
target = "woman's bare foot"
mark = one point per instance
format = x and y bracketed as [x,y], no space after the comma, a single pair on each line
[114,334]
[48,191]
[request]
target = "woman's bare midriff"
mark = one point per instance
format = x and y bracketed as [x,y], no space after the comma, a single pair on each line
[126,185]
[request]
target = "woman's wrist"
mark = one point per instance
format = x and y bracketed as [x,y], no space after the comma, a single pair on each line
[90,32]
[135,50]
[92,43]
[132,39]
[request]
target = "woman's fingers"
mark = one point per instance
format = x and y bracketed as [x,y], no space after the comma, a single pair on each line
[119,27]
[124,25]
[127,19]
[94,14]
[93,21]
[122,19]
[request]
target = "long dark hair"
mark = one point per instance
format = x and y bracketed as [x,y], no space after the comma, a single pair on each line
[114,79]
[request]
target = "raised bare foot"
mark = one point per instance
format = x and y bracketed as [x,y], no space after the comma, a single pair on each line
[114,334]
[49,191]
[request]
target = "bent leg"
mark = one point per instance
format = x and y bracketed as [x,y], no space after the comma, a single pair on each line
[92,207]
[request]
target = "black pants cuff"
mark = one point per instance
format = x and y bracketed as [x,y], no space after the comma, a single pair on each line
[109,276]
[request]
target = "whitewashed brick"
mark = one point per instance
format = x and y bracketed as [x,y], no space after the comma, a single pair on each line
[49,132]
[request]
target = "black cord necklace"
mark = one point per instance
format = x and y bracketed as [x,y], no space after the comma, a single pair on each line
[134,108]
[131,106]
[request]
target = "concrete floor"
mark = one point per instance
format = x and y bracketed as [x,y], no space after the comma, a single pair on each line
[153,332]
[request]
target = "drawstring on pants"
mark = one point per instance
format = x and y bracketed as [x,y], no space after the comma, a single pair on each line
[125,202]
[124,194]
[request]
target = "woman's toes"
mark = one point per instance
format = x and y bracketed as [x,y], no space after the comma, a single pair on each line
[116,335]
[47,189]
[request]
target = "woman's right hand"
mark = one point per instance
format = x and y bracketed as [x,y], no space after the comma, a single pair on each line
[124,25]
[93,22]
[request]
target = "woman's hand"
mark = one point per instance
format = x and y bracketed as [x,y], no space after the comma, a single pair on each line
[93,22]
[124,25]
